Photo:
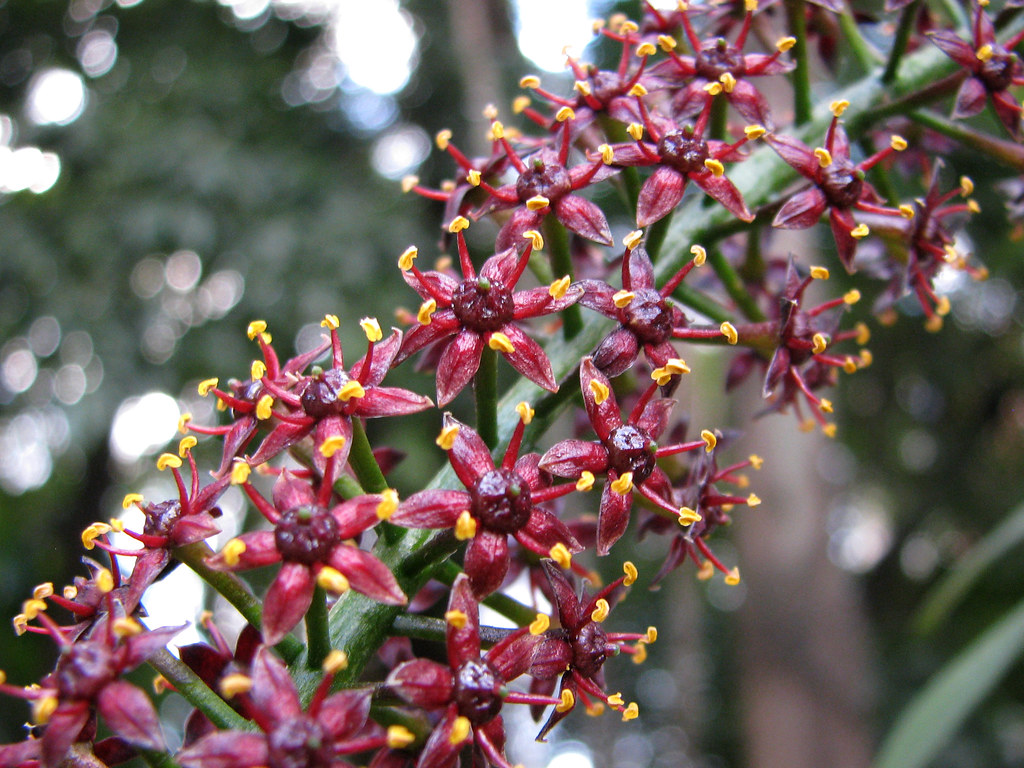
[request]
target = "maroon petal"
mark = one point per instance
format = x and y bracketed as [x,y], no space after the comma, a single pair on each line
[512,656]
[344,714]
[422,683]
[794,152]
[299,363]
[260,550]
[226,749]
[328,429]
[659,195]
[802,210]
[543,531]
[840,143]
[236,439]
[751,104]
[148,567]
[391,401]
[384,354]
[469,455]
[291,492]
[463,641]
[691,99]
[725,192]
[616,352]
[597,295]
[458,365]
[487,561]
[655,417]
[367,575]
[138,648]
[191,528]
[584,218]
[566,601]
[62,730]
[130,714]
[287,601]
[431,285]
[639,270]
[439,752]
[604,415]
[502,266]
[570,458]
[763,64]
[511,235]
[281,437]
[777,368]
[538,301]
[842,224]
[958,50]
[1008,110]
[273,692]
[613,517]
[20,753]
[357,515]
[659,354]
[443,323]
[431,509]
[529,359]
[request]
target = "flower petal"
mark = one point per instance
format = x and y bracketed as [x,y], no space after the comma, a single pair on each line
[725,192]
[344,714]
[463,641]
[604,415]
[543,531]
[432,285]
[273,692]
[486,562]
[794,152]
[226,749]
[442,323]
[469,455]
[367,575]
[617,352]
[431,509]
[538,301]
[260,550]
[842,223]
[459,363]
[501,267]
[802,210]
[655,417]
[584,218]
[287,601]
[384,353]
[510,236]
[422,683]
[570,458]
[613,517]
[63,729]
[529,359]
[956,48]
[391,401]
[291,492]
[659,195]
[597,295]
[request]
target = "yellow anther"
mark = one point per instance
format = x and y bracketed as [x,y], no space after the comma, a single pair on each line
[710,441]
[388,503]
[852,296]
[70,592]
[632,712]
[819,273]
[166,460]
[540,625]
[265,407]
[456,618]
[161,685]
[582,87]
[825,405]
[860,231]
[755,461]
[256,327]
[628,27]
[221,405]
[829,430]
[600,391]
[595,709]
[131,499]
[866,358]
[753,500]
[525,412]
[973,207]
[624,483]
[729,331]
[535,238]
[783,44]
[116,525]
[753,132]
[750,6]
[41,592]
[560,554]
[713,88]
[942,306]
[652,635]
[240,471]
[728,81]
[448,185]
[409,182]
[715,166]
[20,623]
[632,240]
[824,157]
[820,343]
[460,730]
[676,367]
[607,153]
[838,107]
[499,342]
[32,608]
[465,526]
[933,324]
[849,366]
[559,287]
[639,653]
[623,298]
[404,263]
[332,445]
[538,203]
[43,709]
[635,130]
[637,89]
[568,701]
[442,138]
[906,211]
[399,737]
[426,311]
[126,627]
[985,52]
[232,551]
[497,130]
[733,577]
[688,516]
[332,580]
[235,684]
[205,386]
[644,49]
[565,113]
[863,334]
[104,580]
[615,700]
[897,142]
[458,224]
[335,661]
[586,481]
[601,611]
[529,81]
[966,186]
[446,439]
[371,328]
[706,571]
[667,43]
[519,104]
[352,389]
[183,422]
[489,111]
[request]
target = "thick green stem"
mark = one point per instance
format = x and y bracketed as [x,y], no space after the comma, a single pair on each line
[797,19]
[656,235]
[862,52]
[1004,152]
[719,116]
[557,238]
[701,302]
[318,641]
[363,463]
[188,684]
[231,588]
[734,285]
[485,388]
[908,18]
[429,628]
[511,609]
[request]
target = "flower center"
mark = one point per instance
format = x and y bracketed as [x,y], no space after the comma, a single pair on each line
[482,306]
[549,180]
[501,501]
[320,397]
[300,742]
[306,535]
[160,518]
[589,649]
[648,316]
[842,183]
[715,59]
[478,691]
[997,73]
[682,151]
[631,449]
[83,671]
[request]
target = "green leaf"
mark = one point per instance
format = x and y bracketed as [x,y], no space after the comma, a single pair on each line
[936,713]
[948,593]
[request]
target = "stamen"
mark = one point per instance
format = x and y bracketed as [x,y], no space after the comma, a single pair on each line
[458,224]
[535,238]
[255,328]
[185,445]
[819,273]
[352,389]
[446,439]
[635,130]
[332,580]
[540,625]
[499,342]
[632,240]
[529,81]
[783,44]
[240,471]
[559,287]
[264,408]
[838,107]
[624,484]
[753,500]
[754,131]
[399,737]
[729,331]
[631,573]
[130,499]
[456,619]
[600,391]
[335,661]
[538,203]
[601,611]
[404,263]
[232,551]
[688,516]
[586,481]
[733,577]
[332,445]
[232,685]
[632,712]
[710,441]
[824,157]
[426,311]
[388,504]
[460,730]
[409,183]
[560,554]
[667,43]
[568,701]
[860,231]
[371,328]
[183,421]
[622,299]
[166,460]
[206,385]
[525,412]
[465,526]
[715,166]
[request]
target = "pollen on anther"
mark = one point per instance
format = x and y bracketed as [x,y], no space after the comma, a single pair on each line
[565,113]
[458,224]
[623,298]
[456,618]
[332,580]
[460,730]
[399,737]
[388,503]
[819,342]
[335,661]
[715,166]
[240,471]
[754,131]
[601,611]
[426,310]
[352,389]
[442,139]
[860,231]
[713,88]
[186,444]
[824,157]
[607,153]
[631,573]
[667,43]
[130,499]
[406,259]
[265,407]
[529,81]
[540,625]
[635,130]
[104,580]
[497,130]
[623,484]
[233,685]
[332,445]
[753,500]
[537,203]
[640,653]
[255,328]
[632,240]
[710,441]
[166,460]
[688,516]
[733,577]
[568,701]
[729,331]
[205,386]
[499,342]
[599,390]
[985,52]
[409,182]
[838,107]
[829,430]
[783,44]
[525,412]
[535,238]
[561,555]
[520,103]
[371,328]
[819,273]
[559,287]
[755,461]
[586,481]
[465,526]
[446,439]
[615,700]
[966,186]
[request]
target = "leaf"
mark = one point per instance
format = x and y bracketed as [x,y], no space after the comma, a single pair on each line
[935,715]
[948,593]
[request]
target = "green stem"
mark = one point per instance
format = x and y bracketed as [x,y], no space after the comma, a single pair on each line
[429,628]
[719,115]
[157,759]
[753,264]
[363,463]
[486,391]
[557,238]
[734,285]
[232,589]
[701,302]
[511,609]
[188,684]
[908,19]
[862,52]
[656,236]
[802,73]
[1004,152]
[318,641]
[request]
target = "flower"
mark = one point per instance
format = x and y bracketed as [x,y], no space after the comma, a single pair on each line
[481,310]
[499,501]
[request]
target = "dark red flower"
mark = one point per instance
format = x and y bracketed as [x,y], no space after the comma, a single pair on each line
[481,309]
[626,453]
[499,501]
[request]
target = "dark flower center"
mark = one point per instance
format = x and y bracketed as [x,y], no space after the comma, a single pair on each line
[300,742]
[320,396]
[501,501]
[682,151]
[589,649]
[482,306]
[605,86]
[842,183]
[160,518]
[83,671]
[549,180]
[478,691]
[997,73]
[648,316]
[715,59]
[306,535]
[631,449]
